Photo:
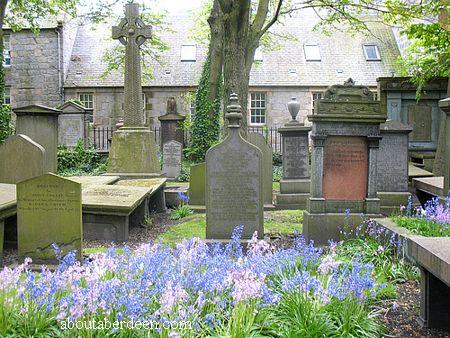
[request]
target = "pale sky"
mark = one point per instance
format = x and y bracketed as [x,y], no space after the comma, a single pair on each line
[175,5]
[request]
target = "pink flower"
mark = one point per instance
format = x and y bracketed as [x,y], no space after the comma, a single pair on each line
[328,264]
[171,296]
[246,284]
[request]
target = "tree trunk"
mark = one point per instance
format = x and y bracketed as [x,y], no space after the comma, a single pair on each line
[235,70]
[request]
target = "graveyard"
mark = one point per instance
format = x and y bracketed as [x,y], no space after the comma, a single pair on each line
[337,226]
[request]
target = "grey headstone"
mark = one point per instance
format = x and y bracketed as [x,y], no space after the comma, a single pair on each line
[234,183]
[21,159]
[393,157]
[172,152]
[48,211]
[259,141]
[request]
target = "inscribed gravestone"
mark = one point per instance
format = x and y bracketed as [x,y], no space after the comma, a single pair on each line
[234,185]
[172,158]
[71,124]
[259,141]
[345,168]
[21,159]
[48,211]
[295,154]
[197,184]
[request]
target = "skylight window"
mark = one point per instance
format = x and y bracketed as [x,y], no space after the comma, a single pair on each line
[371,52]
[188,52]
[258,54]
[312,52]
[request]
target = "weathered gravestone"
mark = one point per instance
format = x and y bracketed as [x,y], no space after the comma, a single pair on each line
[197,184]
[234,183]
[445,106]
[171,128]
[40,123]
[393,166]
[71,124]
[295,184]
[345,134]
[133,147]
[7,212]
[21,158]
[48,211]
[172,152]
[260,142]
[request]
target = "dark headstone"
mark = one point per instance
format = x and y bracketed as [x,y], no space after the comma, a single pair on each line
[171,124]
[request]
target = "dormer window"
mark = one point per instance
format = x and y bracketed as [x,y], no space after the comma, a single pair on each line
[371,52]
[312,52]
[188,53]
[258,55]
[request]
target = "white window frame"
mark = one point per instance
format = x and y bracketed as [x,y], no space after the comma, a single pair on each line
[258,55]
[7,96]
[314,99]
[262,107]
[6,50]
[188,53]
[80,94]
[309,57]
[377,51]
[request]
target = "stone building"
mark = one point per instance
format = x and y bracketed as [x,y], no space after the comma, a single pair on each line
[66,62]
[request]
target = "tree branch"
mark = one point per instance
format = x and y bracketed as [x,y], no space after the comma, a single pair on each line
[273,20]
[261,15]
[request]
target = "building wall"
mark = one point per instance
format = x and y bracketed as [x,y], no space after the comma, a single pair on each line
[33,76]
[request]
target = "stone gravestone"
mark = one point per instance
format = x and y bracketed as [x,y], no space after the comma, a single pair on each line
[234,183]
[295,184]
[345,135]
[71,124]
[133,147]
[21,159]
[171,128]
[48,211]
[40,123]
[197,184]
[260,142]
[172,152]
[393,166]
[445,106]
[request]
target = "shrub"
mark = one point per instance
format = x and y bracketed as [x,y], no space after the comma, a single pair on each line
[6,128]
[182,210]
[277,173]
[277,159]
[185,172]
[80,160]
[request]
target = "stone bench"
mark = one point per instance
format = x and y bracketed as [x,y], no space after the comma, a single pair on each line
[432,255]
[7,210]
[429,187]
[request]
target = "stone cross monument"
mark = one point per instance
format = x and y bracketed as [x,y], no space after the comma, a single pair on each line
[132,32]
[133,148]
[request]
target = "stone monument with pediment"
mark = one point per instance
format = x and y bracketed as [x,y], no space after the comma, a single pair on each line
[345,135]
[234,183]
[133,149]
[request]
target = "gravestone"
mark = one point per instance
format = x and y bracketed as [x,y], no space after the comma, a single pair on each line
[345,135]
[234,183]
[393,166]
[171,128]
[40,123]
[445,106]
[7,213]
[419,118]
[21,159]
[172,152]
[133,147]
[197,184]
[260,142]
[48,211]
[71,123]
[295,184]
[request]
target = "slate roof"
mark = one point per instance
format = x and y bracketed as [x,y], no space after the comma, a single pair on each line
[342,57]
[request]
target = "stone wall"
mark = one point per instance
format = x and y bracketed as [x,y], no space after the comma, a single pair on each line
[33,75]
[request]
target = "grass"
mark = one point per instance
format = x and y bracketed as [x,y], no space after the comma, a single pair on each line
[282,221]
[422,226]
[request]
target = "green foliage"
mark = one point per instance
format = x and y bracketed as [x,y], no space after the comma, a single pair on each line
[277,158]
[180,211]
[206,120]
[80,161]
[185,172]
[6,128]
[422,226]
[277,173]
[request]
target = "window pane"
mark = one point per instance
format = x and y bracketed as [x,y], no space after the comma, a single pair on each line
[371,52]
[7,96]
[257,108]
[312,53]
[87,99]
[188,53]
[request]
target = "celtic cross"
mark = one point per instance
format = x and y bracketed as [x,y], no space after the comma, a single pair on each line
[132,32]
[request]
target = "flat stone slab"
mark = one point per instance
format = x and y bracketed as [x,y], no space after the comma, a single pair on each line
[7,200]
[432,185]
[113,199]
[154,183]
[414,171]
[94,180]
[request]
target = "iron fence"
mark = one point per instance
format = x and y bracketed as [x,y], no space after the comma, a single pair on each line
[100,136]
